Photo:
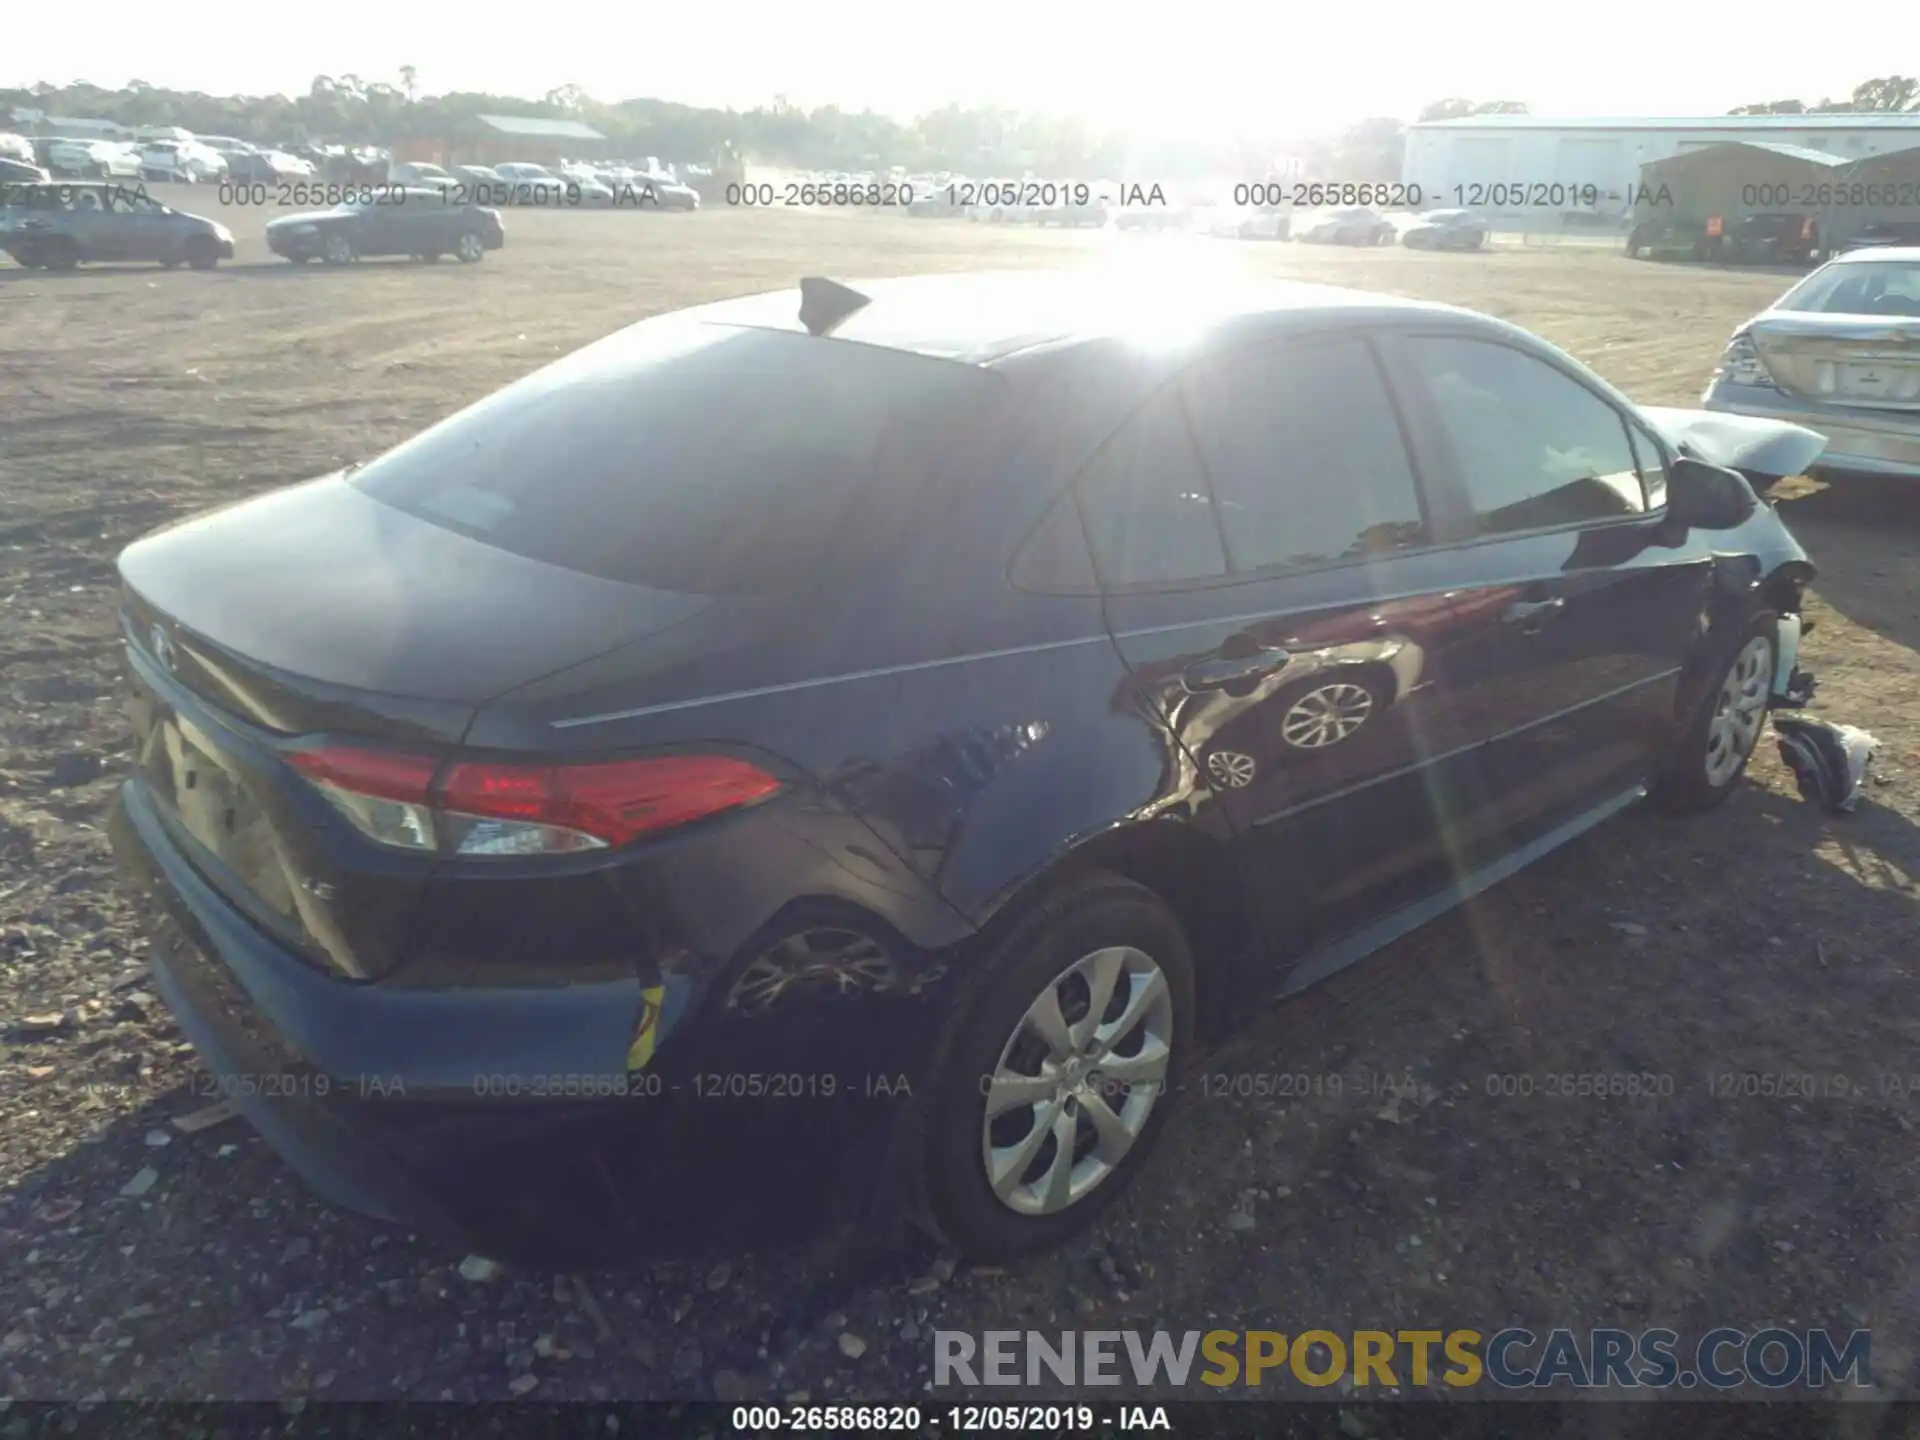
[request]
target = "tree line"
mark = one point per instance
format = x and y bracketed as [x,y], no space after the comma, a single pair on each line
[355,110]
[1890,93]
[352,109]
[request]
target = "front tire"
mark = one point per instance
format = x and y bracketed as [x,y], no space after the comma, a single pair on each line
[1053,1084]
[1707,763]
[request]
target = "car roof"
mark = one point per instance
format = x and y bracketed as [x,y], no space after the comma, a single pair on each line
[1878,252]
[984,318]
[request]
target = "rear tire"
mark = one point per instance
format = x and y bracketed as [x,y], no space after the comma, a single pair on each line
[1098,931]
[58,253]
[1711,756]
[202,253]
[470,248]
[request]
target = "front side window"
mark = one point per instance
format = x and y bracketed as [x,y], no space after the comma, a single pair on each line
[1535,448]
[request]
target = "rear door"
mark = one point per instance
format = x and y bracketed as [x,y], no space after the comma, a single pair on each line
[1270,574]
[142,229]
[1589,602]
[91,226]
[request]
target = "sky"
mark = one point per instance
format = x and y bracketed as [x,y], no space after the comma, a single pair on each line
[1203,69]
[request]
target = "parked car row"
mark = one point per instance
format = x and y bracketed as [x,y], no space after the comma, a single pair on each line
[570,186]
[57,225]
[1767,238]
[1354,225]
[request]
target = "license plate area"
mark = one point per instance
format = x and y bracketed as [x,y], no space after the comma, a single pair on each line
[205,791]
[1878,381]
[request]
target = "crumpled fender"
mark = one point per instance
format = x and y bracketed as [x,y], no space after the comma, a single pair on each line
[1753,446]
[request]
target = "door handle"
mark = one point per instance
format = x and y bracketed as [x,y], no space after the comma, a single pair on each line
[1225,670]
[1528,616]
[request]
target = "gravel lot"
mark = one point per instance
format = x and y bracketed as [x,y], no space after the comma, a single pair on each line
[140,1260]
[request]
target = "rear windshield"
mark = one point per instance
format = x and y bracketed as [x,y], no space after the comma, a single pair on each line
[1864,287]
[686,456]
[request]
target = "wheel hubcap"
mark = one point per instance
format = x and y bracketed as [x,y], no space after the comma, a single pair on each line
[337,248]
[1077,1080]
[1739,710]
[1326,716]
[469,246]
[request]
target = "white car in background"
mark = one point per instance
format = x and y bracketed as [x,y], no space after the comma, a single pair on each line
[530,184]
[182,161]
[227,144]
[93,160]
[1248,222]
[584,185]
[422,175]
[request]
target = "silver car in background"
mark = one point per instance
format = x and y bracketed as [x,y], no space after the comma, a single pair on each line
[1840,354]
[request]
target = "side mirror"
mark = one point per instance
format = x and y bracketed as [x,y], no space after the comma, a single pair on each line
[1707,497]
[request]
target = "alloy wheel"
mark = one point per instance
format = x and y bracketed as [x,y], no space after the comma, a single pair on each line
[1326,715]
[1077,1080]
[1739,710]
[469,248]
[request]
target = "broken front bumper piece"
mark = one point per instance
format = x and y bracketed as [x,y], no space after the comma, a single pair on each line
[1829,762]
[1792,687]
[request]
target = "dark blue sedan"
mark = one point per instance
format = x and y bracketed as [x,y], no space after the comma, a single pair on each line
[843,752]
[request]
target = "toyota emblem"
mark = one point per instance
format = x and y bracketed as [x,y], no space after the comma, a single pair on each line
[162,645]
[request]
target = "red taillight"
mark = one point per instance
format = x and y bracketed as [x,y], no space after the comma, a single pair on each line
[480,808]
[614,802]
[380,774]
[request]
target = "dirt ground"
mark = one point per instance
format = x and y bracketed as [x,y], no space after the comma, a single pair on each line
[139,1260]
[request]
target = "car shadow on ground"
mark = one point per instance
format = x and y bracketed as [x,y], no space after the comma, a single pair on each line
[156,1262]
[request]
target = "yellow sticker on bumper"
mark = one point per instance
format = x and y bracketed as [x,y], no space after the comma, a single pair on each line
[640,1053]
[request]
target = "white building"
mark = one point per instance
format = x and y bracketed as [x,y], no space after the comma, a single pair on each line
[1531,165]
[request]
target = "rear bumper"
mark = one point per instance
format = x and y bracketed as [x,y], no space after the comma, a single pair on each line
[505,1117]
[370,1094]
[1879,443]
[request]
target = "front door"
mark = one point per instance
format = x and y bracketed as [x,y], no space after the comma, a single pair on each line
[1270,575]
[1592,600]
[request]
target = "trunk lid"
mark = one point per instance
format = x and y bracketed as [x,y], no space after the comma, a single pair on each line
[1865,361]
[319,607]
[318,610]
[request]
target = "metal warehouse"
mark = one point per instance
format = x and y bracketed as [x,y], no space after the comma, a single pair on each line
[1559,171]
[1841,193]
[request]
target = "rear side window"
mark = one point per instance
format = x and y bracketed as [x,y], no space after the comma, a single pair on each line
[1859,287]
[1535,447]
[1150,517]
[691,457]
[1305,455]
